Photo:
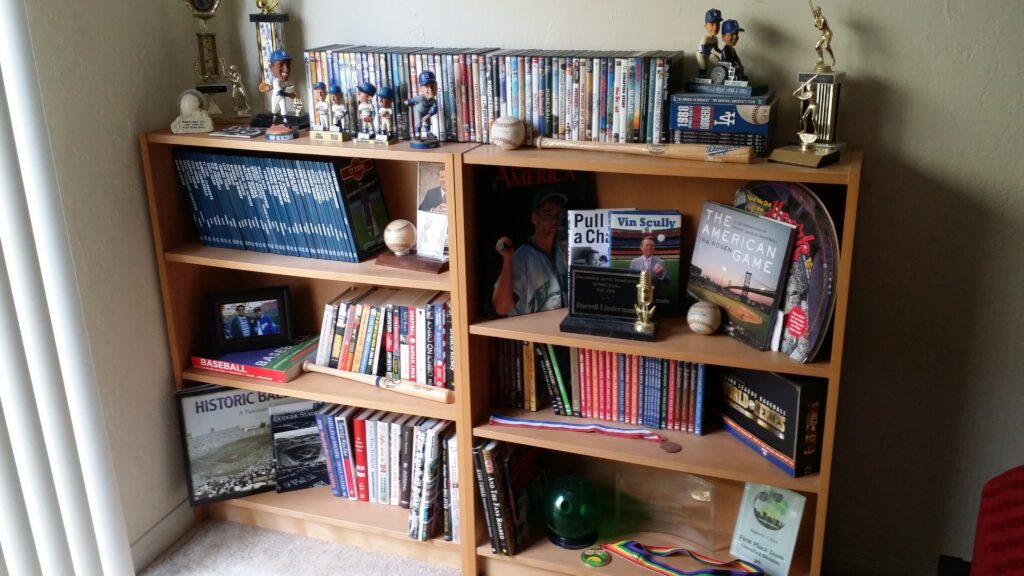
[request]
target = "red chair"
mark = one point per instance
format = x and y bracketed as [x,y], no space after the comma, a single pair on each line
[999,537]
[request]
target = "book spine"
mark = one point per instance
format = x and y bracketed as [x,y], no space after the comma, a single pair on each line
[440,350]
[485,495]
[416,488]
[549,378]
[454,487]
[395,463]
[431,479]
[563,390]
[429,345]
[383,461]
[239,369]
[323,350]
[499,498]
[344,431]
[372,470]
[359,443]
[336,462]
[405,463]
[325,446]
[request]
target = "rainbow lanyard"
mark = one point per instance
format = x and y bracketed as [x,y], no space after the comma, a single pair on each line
[645,556]
[638,433]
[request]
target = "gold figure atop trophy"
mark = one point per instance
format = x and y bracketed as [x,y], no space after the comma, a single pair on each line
[643,307]
[825,42]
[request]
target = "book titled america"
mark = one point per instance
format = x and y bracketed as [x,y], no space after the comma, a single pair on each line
[740,262]
[281,364]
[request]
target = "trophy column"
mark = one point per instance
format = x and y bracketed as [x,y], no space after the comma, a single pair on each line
[826,86]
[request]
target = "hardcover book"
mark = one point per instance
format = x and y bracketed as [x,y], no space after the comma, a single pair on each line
[767,526]
[280,364]
[588,236]
[298,452]
[810,288]
[650,240]
[740,262]
[227,442]
[364,208]
[779,416]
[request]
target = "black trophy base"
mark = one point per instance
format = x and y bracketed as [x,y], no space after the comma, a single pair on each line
[603,326]
[815,157]
[266,120]
[578,543]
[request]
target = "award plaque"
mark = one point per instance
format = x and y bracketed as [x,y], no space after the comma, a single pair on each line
[602,302]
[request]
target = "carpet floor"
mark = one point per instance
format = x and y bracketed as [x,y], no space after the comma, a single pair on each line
[216,548]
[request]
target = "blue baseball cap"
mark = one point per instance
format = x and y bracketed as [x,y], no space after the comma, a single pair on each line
[279,55]
[731,27]
[386,92]
[427,77]
[319,86]
[335,89]
[367,88]
[713,15]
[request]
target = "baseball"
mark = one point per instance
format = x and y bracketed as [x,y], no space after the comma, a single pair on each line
[507,132]
[704,317]
[400,236]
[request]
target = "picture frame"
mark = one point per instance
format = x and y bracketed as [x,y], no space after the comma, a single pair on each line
[249,319]
[432,212]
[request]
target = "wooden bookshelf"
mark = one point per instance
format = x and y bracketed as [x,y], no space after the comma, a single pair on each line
[188,270]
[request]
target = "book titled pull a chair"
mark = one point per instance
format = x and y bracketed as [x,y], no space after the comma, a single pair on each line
[281,364]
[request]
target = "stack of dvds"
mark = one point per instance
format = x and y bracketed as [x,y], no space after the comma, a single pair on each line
[731,119]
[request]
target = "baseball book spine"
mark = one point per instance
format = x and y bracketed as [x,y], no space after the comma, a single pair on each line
[737,118]
[325,447]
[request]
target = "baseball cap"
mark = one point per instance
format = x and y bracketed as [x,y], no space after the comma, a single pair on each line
[278,55]
[713,15]
[319,86]
[427,76]
[545,195]
[731,27]
[367,88]
[386,92]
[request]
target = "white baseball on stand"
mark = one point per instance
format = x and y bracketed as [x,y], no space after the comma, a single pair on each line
[704,317]
[508,132]
[400,236]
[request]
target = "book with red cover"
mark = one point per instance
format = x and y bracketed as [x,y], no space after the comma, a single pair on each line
[359,445]
[280,364]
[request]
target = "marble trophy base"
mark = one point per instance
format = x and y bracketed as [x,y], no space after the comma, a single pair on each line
[813,156]
[594,325]
[424,143]
[412,262]
[266,120]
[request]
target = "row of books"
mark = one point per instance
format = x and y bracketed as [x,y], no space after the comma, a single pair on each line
[393,459]
[696,118]
[652,392]
[511,484]
[401,333]
[332,210]
[606,96]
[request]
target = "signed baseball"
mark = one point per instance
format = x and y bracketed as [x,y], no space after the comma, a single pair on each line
[704,317]
[507,132]
[400,236]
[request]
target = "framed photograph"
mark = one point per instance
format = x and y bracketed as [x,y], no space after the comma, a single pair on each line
[432,212]
[249,319]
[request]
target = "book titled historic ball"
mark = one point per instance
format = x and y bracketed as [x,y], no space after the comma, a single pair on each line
[281,364]
[779,416]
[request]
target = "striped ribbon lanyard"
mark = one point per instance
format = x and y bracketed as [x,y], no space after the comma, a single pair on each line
[647,557]
[638,433]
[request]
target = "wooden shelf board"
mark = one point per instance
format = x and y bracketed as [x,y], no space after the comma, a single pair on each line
[675,341]
[304,145]
[319,505]
[760,169]
[715,455]
[543,555]
[367,272]
[326,388]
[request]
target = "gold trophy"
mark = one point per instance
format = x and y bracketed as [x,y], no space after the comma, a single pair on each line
[818,94]
[210,70]
[643,307]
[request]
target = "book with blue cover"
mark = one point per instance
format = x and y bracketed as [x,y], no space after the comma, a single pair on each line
[650,240]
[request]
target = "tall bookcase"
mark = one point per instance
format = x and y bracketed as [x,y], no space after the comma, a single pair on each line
[188,270]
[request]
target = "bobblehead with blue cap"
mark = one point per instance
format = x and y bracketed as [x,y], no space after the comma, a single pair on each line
[385,114]
[707,50]
[424,107]
[731,35]
[282,90]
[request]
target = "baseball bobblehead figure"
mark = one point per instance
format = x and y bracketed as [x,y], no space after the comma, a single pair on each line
[424,106]
[708,51]
[364,95]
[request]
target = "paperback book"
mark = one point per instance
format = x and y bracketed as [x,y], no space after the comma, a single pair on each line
[589,236]
[740,262]
[650,240]
[280,364]
[227,442]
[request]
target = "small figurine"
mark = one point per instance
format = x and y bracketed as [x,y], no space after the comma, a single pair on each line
[385,114]
[193,118]
[321,108]
[825,42]
[339,114]
[238,95]
[731,35]
[424,106]
[364,95]
[708,51]
[809,106]
[282,90]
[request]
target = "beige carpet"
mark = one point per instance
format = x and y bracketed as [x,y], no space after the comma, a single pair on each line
[216,548]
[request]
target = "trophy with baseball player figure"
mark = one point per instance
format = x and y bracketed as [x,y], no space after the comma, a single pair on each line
[818,94]
[424,108]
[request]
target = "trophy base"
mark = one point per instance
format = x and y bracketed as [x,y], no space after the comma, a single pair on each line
[604,326]
[424,144]
[280,132]
[813,157]
[266,120]
[412,262]
[364,138]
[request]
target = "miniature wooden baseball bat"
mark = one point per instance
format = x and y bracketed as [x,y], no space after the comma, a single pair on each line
[406,387]
[705,152]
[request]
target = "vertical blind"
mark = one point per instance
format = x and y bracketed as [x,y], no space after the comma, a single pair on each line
[61,508]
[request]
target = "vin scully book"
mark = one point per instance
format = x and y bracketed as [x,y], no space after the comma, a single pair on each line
[739,263]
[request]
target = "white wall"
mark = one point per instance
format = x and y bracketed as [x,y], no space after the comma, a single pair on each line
[931,402]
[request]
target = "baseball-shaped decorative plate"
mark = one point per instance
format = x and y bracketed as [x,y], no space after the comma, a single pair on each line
[507,132]
[400,236]
[704,317]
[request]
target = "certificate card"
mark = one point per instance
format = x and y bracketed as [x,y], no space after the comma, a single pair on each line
[767,526]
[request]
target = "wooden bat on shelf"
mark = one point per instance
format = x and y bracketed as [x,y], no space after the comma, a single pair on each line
[406,387]
[705,152]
